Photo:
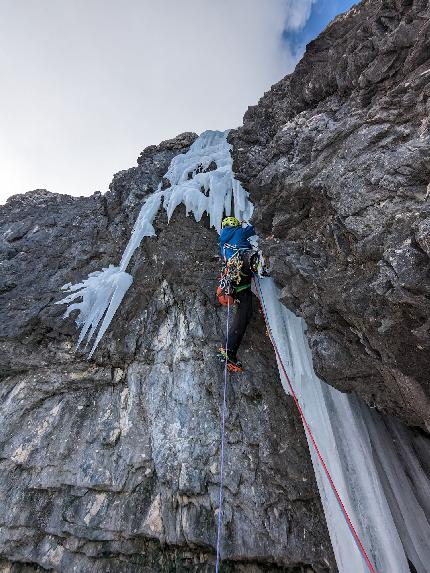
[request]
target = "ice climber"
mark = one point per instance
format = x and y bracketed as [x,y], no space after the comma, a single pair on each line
[235,284]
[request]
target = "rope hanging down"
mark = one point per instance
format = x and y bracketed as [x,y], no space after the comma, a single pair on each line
[309,431]
[221,471]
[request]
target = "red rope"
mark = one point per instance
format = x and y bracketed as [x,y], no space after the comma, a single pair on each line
[309,431]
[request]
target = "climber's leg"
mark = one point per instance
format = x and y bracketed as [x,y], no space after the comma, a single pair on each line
[241,319]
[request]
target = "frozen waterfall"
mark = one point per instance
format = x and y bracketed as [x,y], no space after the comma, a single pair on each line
[372,458]
[202,179]
[374,461]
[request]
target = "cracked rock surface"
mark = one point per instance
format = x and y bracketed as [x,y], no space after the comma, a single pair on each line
[336,157]
[111,465]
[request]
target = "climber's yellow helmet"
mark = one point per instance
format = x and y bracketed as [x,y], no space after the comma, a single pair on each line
[230,222]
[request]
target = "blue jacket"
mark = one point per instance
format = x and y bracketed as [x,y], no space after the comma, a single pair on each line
[236,237]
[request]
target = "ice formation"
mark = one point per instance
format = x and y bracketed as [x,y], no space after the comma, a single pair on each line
[101,293]
[374,461]
[202,179]
[220,187]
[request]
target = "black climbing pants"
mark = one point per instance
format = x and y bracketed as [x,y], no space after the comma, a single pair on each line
[242,316]
[243,311]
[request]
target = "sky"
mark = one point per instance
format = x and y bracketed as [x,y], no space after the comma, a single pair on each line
[87,84]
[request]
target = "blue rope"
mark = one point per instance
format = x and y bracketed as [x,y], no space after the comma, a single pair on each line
[221,480]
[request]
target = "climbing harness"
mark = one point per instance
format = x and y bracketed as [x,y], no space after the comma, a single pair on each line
[221,479]
[230,277]
[310,434]
[230,280]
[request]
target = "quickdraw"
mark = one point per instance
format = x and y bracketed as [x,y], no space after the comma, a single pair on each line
[230,280]
[225,291]
[234,268]
[231,276]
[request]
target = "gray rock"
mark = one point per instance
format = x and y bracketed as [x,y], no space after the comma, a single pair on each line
[336,157]
[112,465]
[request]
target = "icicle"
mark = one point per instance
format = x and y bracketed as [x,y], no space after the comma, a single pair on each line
[207,165]
[142,227]
[103,291]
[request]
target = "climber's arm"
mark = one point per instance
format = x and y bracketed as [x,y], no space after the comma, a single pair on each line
[248,231]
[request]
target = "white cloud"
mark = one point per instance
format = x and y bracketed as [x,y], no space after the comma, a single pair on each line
[297,14]
[87,84]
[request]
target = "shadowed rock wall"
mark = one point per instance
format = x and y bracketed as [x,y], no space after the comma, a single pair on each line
[336,157]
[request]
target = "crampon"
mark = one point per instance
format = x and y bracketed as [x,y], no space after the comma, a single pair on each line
[233,364]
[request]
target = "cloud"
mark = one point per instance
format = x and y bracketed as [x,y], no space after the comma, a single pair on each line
[88,84]
[297,14]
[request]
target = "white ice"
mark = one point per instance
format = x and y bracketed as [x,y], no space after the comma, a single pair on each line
[215,192]
[371,458]
[103,291]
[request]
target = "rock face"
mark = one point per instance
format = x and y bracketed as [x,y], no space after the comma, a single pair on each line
[336,157]
[112,464]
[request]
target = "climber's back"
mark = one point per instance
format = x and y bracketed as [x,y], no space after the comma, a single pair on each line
[233,236]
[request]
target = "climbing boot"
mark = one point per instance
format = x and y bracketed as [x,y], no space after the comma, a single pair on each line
[233,364]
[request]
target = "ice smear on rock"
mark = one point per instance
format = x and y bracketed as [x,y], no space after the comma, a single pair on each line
[372,458]
[103,291]
[202,179]
[142,228]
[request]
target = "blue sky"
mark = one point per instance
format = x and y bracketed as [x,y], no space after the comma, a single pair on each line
[88,84]
[322,12]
